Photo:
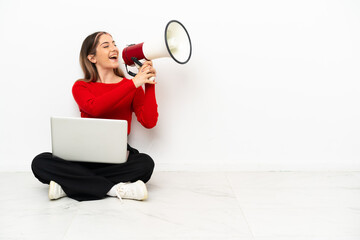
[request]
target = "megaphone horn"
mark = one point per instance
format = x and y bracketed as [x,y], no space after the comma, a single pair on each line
[177,45]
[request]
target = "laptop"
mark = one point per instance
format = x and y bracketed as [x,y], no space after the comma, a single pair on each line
[89,139]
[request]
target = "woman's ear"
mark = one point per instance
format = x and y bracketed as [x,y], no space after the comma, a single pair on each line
[92,58]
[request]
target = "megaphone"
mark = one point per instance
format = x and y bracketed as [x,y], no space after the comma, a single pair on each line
[177,45]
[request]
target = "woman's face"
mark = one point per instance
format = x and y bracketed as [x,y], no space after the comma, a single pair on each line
[107,53]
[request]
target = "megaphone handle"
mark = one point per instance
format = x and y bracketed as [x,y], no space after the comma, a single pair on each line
[130,72]
[137,62]
[138,65]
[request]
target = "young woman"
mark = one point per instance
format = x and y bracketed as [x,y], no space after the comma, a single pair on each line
[105,93]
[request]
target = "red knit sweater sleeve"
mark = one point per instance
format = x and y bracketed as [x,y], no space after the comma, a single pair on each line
[145,107]
[103,104]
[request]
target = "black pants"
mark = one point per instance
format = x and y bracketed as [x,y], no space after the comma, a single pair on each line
[90,181]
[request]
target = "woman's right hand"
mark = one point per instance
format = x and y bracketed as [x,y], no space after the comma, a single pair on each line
[145,73]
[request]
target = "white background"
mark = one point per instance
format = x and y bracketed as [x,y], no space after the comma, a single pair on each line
[271,85]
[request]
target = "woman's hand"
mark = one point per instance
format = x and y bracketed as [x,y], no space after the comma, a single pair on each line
[145,73]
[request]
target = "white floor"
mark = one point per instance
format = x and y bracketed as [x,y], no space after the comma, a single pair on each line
[188,205]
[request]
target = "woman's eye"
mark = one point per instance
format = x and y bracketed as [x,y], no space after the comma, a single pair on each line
[106,46]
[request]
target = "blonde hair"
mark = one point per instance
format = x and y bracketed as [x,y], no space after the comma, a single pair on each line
[89,47]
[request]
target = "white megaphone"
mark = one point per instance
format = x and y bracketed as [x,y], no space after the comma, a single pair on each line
[177,45]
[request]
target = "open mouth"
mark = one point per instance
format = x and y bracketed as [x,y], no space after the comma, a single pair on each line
[114,57]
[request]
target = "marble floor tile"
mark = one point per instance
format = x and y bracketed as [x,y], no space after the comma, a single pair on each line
[180,206]
[191,190]
[342,237]
[294,179]
[306,223]
[296,189]
[132,220]
[192,205]
[298,197]
[26,212]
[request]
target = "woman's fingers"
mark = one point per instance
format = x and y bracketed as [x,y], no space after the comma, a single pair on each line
[150,71]
[147,64]
[146,74]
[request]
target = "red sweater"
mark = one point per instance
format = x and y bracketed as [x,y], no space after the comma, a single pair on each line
[117,101]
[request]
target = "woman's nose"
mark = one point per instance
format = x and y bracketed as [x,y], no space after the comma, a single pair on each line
[113,47]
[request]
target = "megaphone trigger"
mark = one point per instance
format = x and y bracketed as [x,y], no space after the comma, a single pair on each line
[137,62]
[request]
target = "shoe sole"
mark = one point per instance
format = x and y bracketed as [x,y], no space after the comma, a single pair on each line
[144,190]
[146,193]
[52,187]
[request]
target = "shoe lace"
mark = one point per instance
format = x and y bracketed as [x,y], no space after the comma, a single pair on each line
[118,191]
[125,191]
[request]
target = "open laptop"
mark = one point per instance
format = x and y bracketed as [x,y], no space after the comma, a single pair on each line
[89,139]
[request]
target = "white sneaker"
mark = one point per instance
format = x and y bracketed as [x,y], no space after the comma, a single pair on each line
[135,191]
[55,191]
